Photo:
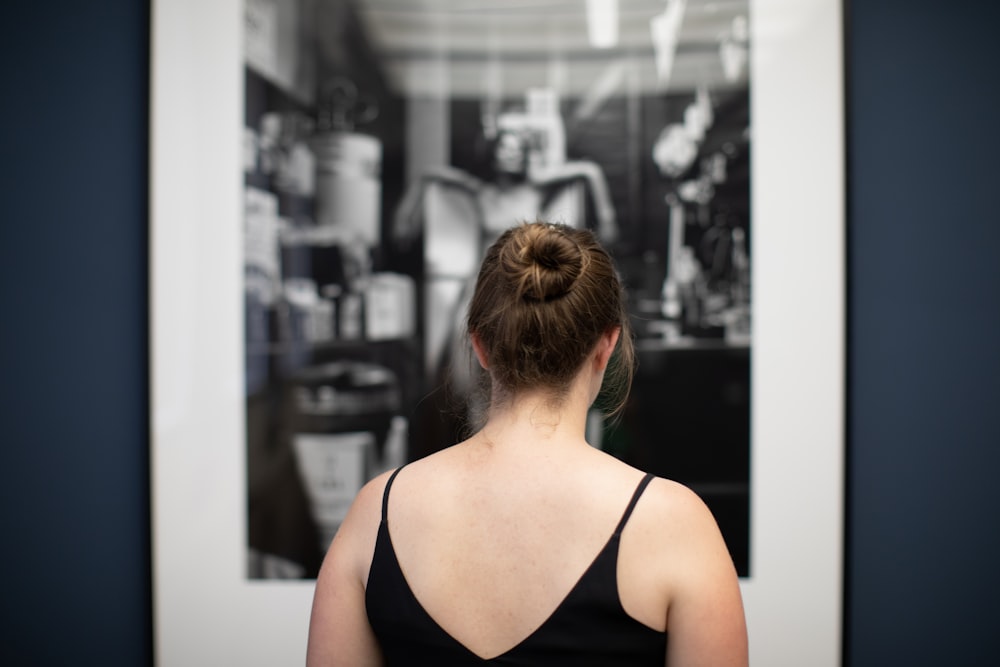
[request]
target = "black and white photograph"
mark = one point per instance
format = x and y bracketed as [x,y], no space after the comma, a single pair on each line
[387,144]
[325,176]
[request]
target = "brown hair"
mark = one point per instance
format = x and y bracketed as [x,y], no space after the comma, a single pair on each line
[544,296]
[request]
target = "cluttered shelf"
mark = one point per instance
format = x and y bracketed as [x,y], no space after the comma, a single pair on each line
[284,348]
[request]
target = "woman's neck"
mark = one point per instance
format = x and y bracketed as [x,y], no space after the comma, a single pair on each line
[533,417]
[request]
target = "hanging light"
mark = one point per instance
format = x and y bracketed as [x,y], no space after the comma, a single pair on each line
[733,49]
[602,23]
[665,29]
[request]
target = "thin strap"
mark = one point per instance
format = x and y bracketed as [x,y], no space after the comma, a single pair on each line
[385,494]
[631,506]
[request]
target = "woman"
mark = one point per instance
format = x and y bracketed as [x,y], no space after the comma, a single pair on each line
[523,545]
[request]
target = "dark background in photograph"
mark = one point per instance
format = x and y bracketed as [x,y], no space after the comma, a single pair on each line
[923,365]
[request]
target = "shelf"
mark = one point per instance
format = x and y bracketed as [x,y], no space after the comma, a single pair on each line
[302,347]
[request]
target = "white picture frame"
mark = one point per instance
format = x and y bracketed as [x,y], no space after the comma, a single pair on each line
[206,611]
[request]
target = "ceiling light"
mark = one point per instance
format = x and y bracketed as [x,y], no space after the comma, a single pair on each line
[602,23]
[665,29]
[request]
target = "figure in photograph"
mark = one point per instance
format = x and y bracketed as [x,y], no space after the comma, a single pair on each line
[524,176]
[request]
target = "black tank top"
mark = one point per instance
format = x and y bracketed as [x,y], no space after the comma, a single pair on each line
[588,628]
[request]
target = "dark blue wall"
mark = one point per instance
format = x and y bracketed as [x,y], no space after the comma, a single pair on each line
[924,298]
[73,398]
[924,252]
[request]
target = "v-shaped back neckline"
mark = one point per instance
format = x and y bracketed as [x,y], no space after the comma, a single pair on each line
[610,548]
[604,552]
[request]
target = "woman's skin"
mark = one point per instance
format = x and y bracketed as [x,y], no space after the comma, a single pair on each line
[493,532]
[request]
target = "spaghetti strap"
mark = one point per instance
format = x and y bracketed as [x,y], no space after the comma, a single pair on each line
[631,505]
[385,494]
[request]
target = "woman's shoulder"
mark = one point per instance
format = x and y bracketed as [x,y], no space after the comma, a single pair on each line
[686,559]
[674,528]
[674,496]
[354,541]
[674,511]
[662,499]
[368,501]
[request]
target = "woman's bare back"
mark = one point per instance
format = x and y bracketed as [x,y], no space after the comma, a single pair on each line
[490,545]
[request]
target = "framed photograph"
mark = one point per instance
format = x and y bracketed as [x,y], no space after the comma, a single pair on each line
[324,177]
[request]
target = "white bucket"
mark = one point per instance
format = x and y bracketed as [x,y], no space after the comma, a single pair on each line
[348,184]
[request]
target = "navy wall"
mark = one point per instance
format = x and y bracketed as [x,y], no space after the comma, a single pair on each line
[73,381]
[924,298]
[924,252]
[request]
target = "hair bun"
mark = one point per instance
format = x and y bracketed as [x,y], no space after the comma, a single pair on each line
[543,262]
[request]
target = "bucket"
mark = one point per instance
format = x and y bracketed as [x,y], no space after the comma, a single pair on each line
[348,184]
[342,414]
